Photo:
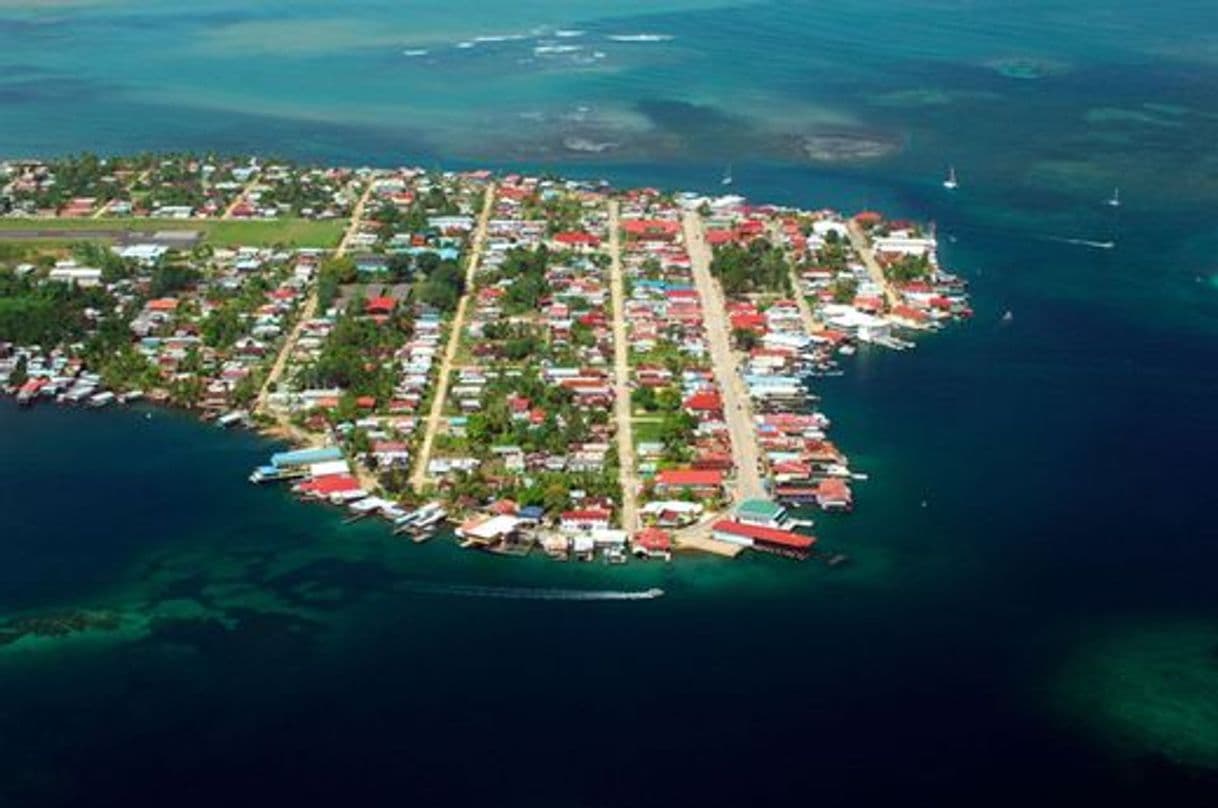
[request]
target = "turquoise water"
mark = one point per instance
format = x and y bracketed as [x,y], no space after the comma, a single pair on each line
[1041,626]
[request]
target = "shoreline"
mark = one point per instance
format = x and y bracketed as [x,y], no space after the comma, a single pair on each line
[695,497]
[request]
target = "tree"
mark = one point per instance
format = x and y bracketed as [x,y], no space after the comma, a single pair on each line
[554,498]
[844,289]
[223,326]
[644,398]
[20,374]
[400,267]
[172,278]
[245,390]
[746,339]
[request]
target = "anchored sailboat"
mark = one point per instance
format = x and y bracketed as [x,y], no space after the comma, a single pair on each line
[950,183]
[727,176]
[1114,201]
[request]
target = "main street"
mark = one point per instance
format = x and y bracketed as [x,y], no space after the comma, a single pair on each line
[621,373]
[737,408]
[434,416]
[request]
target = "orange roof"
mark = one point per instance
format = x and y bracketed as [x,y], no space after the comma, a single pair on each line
[652,538]
[767,535]
[380,304]
[697,478]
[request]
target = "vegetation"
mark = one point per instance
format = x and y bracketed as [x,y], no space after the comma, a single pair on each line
[444,285]
[745,339]
[45,314]
[844,289]
[333,273]
[526,271]
[759,267]
[354,355]
[908,268]
[288,232]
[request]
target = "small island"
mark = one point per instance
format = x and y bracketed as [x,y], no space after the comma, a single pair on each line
[550,365]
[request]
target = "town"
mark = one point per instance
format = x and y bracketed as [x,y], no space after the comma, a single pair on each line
[546,365]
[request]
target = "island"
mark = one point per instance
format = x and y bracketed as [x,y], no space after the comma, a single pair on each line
[548,364]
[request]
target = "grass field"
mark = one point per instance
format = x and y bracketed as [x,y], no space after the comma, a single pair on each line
[260,233]
[645,430]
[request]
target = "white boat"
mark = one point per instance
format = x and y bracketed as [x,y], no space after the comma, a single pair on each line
[101,399]
[1114,201]
[950,183]
[1008,316]
[727,177]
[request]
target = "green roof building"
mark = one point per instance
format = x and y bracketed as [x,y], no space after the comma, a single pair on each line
[760,512]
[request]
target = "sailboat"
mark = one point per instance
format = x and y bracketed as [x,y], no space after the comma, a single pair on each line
[1115,200]
[727,176]
[950,183]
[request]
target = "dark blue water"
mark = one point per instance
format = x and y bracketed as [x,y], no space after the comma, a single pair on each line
[1039,501]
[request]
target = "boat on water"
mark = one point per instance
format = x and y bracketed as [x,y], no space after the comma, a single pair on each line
[950,183]
[727,177]
[99,400]
[1114,201]
[1008,316]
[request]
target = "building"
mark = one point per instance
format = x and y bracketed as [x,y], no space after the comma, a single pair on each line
[584,520]
[761,512]
[767,539]
[700,482]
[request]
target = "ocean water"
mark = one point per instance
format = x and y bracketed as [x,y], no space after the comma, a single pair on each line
[1030,613]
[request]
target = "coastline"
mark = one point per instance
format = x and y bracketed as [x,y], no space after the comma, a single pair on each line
[787,328]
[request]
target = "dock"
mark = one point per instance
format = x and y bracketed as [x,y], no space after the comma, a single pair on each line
[706,544]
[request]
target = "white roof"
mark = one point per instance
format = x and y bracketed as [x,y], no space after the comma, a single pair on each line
[329,467]
[675,505]
[494,527]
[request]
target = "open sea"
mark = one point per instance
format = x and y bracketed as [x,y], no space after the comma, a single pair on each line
[1031,611]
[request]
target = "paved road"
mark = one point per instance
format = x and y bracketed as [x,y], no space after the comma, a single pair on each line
[104,209]
[309,311]
[811,324]
[863,247]
[621,372]
[232,206]
[737,406]
[419,478]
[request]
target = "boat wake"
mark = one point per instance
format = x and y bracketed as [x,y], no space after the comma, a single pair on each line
[1083,242]
[641,37]
[526,593]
